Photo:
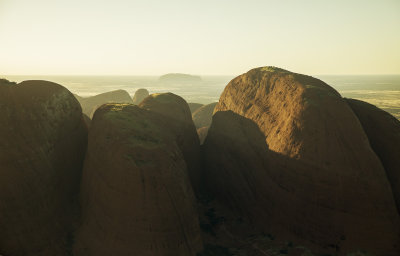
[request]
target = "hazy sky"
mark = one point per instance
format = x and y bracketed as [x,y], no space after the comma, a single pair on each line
[215,37]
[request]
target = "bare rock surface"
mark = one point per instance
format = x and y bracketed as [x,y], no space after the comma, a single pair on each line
[202,133]
[90,104]
[140,95]
[177,110]
[321,181]
[383,131]
[194,106]
[202,117]
[42,147]
[136,195]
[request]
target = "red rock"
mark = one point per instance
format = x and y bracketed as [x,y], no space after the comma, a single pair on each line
[87,120]
[202,133]
[194,106]
[202,116]
[136,194]
[177,110]
[383,131]
[42,145]
[324,184]
[140,95]
[90,104]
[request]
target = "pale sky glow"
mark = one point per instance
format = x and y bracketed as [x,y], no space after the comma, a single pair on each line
[208,37]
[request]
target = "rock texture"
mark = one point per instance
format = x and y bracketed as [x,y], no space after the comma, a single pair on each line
[177,110]
[87,120]
[237,164]
[140,95]
[383,131]
[323,183]
[136,194]
[202,133]
[194,106]
[90,104]
[202,117]
[42,146]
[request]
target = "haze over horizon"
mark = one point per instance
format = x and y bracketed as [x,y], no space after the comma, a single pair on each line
[152,37]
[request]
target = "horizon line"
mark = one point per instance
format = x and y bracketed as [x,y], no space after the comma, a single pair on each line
[127,75]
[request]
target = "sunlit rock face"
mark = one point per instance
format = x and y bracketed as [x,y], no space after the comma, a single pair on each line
[90,104]
[383,131]
[312,175]
[140,95]
[42,145]
[177,111]
[136,194]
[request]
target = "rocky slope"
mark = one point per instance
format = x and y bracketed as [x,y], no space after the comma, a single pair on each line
[90,104]
[194,106]
[140,95]
[383,131]
[5,82]
[202,133]
[177,110]
[42,145]
[136,194]
[322,181]
[202,117]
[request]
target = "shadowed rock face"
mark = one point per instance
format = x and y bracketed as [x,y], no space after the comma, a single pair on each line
[136,194]
[5,82]
[177,110]
[383,131]
[90,104]
[87,120]
[194,106]
[140,95]
[239,175]
[323,182]
[202,133]
[202,117]
[42,146]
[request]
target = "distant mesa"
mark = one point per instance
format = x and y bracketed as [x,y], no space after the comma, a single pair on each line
[43,142]
[140,94]
[90,104]
[178,77]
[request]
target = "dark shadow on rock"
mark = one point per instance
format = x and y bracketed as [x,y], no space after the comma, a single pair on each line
[283,195]
[383,132]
